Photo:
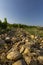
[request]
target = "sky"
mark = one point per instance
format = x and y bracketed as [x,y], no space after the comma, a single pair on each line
[29,12]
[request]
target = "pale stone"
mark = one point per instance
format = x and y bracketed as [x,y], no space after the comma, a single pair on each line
[19,62]
[42,41]
[7,39]
[40,59]
[14,55]
[35,37]
[32,36]
[26,51]
[27,59]
[22,49]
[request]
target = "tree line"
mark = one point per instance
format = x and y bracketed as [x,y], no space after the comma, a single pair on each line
[4,24]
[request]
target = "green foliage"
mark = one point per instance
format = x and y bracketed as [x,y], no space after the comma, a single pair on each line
[0,23]
[4,24]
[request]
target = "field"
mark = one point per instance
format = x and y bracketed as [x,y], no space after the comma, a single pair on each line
[20,44]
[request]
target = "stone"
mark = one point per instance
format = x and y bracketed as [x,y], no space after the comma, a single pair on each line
[14,55]
[13,39]
[19,62]
[35,55]
[7,39]
[2,41]
[26,51]
[3,57]
[32,36]
[2,36]
[42,41]
[22,49]
[35,37]
[27,59]
[11,33]
[33,62]
[26,40]
[40,59]
[5,34]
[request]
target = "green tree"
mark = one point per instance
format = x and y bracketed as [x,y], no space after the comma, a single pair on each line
[4,24]
[0,23]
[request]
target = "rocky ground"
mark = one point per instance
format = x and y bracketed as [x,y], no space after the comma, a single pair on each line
[19,47]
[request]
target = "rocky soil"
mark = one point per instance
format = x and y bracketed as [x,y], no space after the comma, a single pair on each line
[19,47]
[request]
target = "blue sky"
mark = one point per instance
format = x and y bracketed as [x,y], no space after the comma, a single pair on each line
[28,12]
